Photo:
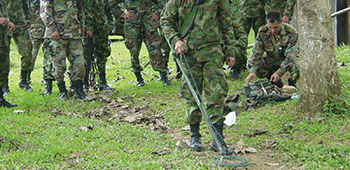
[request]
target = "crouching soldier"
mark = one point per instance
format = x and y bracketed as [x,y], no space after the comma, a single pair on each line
[279,41]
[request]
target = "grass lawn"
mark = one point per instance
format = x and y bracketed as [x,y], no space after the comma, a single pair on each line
[144,128]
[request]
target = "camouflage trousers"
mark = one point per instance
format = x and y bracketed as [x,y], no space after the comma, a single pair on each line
[24,46]
[266,69]
[254,23]
[47,63]
[4,57]
[72,49]
[210,80]
[138,29]
[165,49]
[101,49]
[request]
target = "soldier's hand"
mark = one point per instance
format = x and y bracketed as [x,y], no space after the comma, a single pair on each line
[275,77]
[56,35]
[129,13]
[154,18]
[11,26]
[250,77]
[285,19]
[88,34]
[179,47]
[3,21]
[230,61]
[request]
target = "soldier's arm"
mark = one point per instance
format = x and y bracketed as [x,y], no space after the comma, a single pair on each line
[290,53]
[47,15]
[256,57]
[225,20]
[157,7]
[289,8]
[116,10]
[168,22]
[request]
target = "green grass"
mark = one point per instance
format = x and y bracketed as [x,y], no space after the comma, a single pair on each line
[40,139]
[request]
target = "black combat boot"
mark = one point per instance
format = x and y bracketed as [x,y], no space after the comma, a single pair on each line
[86,84]
[292,82]
[6,88]
[236,73]
[164,78]
[23,83]
[48,87]
[63,91]
[29,79]
[139,79]
[195,144]
[279,83]
[178,72]
[103,82]
[219,128]
[78,90]
[3,102]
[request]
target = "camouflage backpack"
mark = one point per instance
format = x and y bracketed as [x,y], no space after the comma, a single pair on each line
[264,92]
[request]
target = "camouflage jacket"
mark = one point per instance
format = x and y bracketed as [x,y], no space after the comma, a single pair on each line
[153,6]
[3,14]
[19,13]
[252,8]
[212,26]
[241,39]
[285,7]
[65,16]
[281,47]
[37,27]
[98,14]
[115,7]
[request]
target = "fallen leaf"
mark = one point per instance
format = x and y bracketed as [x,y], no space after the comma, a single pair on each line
[18,111]
[159,152]
[130,151]
[75,155]
[342,129]
[272,164]
[186,128]
[256,133]
[181,144]
[130,119]
[250,150]
[319,120]
[85,129]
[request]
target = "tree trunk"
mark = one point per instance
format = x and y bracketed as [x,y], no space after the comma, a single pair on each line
[319,78]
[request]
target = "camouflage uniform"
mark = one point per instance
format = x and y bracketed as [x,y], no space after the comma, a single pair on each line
[100,25]
[281,53]
[68,18]
[4,46]
[252,14]
[19,15]
[4,54]
[209,41]
[285,7]
[141,29]
[37,31]
[205,54]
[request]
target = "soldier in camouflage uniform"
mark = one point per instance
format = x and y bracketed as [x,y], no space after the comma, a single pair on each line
[37,32]
[99,11]
[285,7]
[279,41]
[18,14]
[5,25]
[212,27]
[252,15]
[64,21]
[141,24]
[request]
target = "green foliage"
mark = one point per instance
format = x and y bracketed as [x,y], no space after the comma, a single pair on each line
[337,105]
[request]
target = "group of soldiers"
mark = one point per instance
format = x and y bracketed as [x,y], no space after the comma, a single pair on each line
[208,32]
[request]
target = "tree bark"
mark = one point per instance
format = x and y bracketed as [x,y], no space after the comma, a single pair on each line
[319,78]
